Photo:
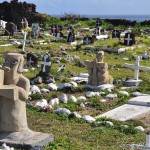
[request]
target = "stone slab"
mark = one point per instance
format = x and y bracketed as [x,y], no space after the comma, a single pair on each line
[140,100]
[132,82]
[26,139]
[125,112]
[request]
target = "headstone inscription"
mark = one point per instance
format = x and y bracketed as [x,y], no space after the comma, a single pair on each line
[116,34]
[129,39]
[98,71]
[71,35]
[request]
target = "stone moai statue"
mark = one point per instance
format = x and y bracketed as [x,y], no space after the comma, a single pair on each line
[98,71]
[14,90]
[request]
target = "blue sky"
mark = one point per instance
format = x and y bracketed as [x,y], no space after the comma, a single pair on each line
[87,7]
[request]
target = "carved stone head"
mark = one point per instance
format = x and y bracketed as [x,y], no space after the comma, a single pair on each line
[13,67]
[100,56]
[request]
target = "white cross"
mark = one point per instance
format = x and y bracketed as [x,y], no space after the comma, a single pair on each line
[136,68]
[53,28]
[115,33]
[24,41]
[22,22]
[45,63]
[128,39]
[87,41]
[30,61]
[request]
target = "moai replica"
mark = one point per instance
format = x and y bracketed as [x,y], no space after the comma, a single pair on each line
[14,91]
[98,71]
[116,34]
[129,39]
[44,75]
[32,60]
[24,23]
[71,35]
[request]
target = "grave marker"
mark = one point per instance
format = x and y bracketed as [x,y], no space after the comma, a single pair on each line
[116,34]
[129,39]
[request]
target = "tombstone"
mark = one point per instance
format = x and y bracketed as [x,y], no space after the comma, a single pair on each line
[71,35]
[10,28]
[24,42]
[145,55]
[116,34]
[24,23]
[98,23]
[32,59]
[98,71]
[45,69]
[136,68]
[58,36]
[129,39]
[35,30]
[3,24]
[102,31]
[58,28]
[53,29]
[89,40]
[97,31]
[13,120]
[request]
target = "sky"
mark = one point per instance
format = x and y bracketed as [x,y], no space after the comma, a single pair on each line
[92,7]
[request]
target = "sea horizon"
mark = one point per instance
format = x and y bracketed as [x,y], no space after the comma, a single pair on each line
[138,18]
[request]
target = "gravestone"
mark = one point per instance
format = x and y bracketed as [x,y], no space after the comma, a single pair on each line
[71,35]
[97,31]
[116,34]
[98,71]
[129,39]
[98,23]
[32,59]
[3,24]
[136,68]
[53,29]
[24,23]
[13,121]
[58,35]
[24,42]
[35,30]
[10,28]
[58,28]
[89,40]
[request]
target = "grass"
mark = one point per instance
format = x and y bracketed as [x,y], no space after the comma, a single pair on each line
[75,134]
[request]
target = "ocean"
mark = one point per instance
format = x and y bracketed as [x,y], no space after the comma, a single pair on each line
[138,18]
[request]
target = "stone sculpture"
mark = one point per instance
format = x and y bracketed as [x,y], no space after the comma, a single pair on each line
[98,71]
[12,105]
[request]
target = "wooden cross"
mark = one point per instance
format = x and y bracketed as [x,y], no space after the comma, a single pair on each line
[136,68]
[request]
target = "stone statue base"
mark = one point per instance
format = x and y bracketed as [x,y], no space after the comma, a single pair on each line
[26,139]
[100,87]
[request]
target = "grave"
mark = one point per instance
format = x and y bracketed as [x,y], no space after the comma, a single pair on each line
[3,24]
[24,42]
[136,107]
[116,34]
[98,71]
[14,129]
[11,28]
[98,23]
[53,29]
[58,36]
[89,40]
[32,60]
[71,35]
[136,68]
[35,30]
[129,39]
[24,23]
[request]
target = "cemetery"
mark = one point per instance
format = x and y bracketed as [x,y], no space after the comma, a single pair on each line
[73,85]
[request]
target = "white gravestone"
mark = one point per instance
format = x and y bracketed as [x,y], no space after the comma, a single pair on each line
[24,41]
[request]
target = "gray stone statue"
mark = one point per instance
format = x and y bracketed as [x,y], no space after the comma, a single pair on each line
[98,71]
[14,90]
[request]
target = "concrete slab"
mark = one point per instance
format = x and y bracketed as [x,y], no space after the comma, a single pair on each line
[26,139]
[140,100]
[125,112]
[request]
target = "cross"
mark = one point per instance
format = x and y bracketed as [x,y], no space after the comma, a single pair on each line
[128,39]
[87,40]
[53,28]
[22,22]
[98,23]
[24,41]
[115,33]
[45,63]
[136,68]
[30,61]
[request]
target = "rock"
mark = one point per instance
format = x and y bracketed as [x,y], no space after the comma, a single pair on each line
[107,123]
[103,100]
[44,90]
[37,80]
[54,101]
[140,128]
[62,111]
[5,147]
[35,89]
[67,85]
[124,93]
[32,69]
[82,105]
[42,103]
[111,96]
[72,98]
[81,98]
[89,119]
[138,94]
[25,70]
[52,87]
[91,94]
[74,84]
[63,98]
[76,115]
